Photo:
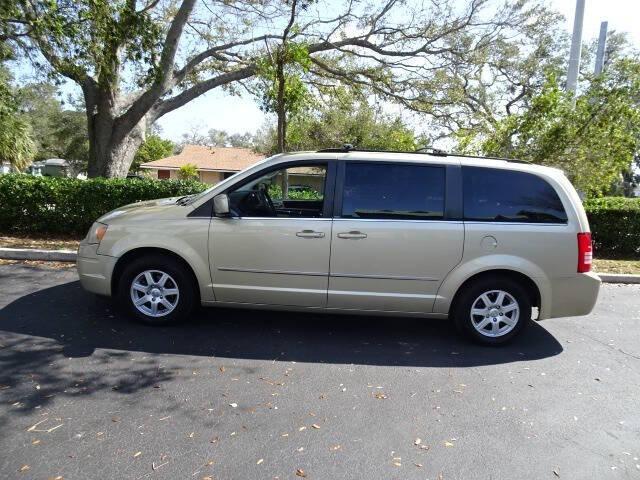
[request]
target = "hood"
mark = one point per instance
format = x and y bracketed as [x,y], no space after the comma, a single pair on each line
[159,209]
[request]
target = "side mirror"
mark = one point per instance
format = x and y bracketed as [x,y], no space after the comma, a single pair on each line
[221,205]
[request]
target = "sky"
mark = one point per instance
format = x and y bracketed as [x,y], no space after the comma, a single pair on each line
[241,114]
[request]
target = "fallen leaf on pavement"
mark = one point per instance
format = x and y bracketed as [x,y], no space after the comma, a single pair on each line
[156,467]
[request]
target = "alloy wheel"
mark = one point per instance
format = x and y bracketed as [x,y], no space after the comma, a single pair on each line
[154,293]
[494,313]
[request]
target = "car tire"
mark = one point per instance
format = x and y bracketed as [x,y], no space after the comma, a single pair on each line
[492,311]
[157,290]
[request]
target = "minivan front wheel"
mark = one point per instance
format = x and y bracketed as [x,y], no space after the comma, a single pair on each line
[492,311]
[157,290]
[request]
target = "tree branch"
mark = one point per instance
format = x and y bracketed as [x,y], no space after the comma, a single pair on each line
[165,106]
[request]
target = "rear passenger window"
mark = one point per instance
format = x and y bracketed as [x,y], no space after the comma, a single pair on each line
[388,191]
[493,195]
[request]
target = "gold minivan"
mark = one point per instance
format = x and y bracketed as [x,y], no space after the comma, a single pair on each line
[490,243]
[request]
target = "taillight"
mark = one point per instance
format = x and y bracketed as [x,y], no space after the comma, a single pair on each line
[585,252]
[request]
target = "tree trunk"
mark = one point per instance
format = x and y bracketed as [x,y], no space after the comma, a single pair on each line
[280,103]
[111,146]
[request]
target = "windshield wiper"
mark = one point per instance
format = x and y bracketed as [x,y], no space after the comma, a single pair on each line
[183,200]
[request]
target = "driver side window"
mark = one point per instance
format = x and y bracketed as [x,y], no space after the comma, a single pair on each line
[294,191]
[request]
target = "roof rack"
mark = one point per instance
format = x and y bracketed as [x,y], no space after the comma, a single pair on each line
[511,160]
[348,147]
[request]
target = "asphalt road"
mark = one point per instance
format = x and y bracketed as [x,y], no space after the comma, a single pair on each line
[84,394]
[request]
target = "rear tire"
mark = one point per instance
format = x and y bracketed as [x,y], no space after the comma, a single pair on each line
[157,290]
[492,311]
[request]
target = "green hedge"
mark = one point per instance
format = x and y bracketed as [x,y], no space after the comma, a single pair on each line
[50,205]
[615,226]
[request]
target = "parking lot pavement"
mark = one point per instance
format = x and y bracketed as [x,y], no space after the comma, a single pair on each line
[238,394]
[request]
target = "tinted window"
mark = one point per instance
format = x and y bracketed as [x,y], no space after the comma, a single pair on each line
[393,191]
[508,196]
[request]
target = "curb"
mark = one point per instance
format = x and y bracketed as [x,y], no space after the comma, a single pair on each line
[619,278]
[71,256]
[38,254]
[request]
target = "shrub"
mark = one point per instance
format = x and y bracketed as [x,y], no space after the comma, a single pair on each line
[615,225]
[49,205]
[188,172]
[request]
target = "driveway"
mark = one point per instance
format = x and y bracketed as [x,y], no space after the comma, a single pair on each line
[238,394]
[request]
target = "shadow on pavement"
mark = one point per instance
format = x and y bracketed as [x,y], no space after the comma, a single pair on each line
[42,333]
[82,323]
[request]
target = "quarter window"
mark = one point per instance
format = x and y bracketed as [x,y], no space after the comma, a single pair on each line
[393,191]
[493,195]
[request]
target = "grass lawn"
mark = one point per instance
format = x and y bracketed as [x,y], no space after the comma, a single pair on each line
[50,243]
[605,265]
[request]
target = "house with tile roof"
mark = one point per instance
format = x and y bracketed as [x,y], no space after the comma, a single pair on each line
[213,163]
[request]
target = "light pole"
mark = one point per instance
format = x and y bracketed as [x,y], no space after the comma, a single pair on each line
[602,43]
[576,47]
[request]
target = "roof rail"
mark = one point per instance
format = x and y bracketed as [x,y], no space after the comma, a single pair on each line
[511,160]
[432,151]
[348,147]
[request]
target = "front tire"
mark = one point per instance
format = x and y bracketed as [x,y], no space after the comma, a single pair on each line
[492,311]
[157,290]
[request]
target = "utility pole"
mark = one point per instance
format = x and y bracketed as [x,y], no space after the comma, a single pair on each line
[576,47]
[602,43]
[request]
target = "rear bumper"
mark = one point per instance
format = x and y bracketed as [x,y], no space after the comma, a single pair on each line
[573,296]
[95,270]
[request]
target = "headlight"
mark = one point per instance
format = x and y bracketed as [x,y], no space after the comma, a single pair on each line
[96,232]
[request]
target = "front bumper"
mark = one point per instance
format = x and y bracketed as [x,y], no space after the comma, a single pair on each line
[574,296]
[95,270]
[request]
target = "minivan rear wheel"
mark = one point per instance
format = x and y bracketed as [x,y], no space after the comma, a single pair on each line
[492,311]
[156,290]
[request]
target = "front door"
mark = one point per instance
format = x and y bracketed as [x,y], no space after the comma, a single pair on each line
[392,245]
[274,249]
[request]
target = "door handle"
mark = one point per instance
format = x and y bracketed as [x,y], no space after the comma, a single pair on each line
[352,235]
[309,234]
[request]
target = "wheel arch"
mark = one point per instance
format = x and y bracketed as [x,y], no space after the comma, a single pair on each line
[136,253]
[530,286]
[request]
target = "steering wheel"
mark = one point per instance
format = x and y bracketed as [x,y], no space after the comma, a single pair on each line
[265,199]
